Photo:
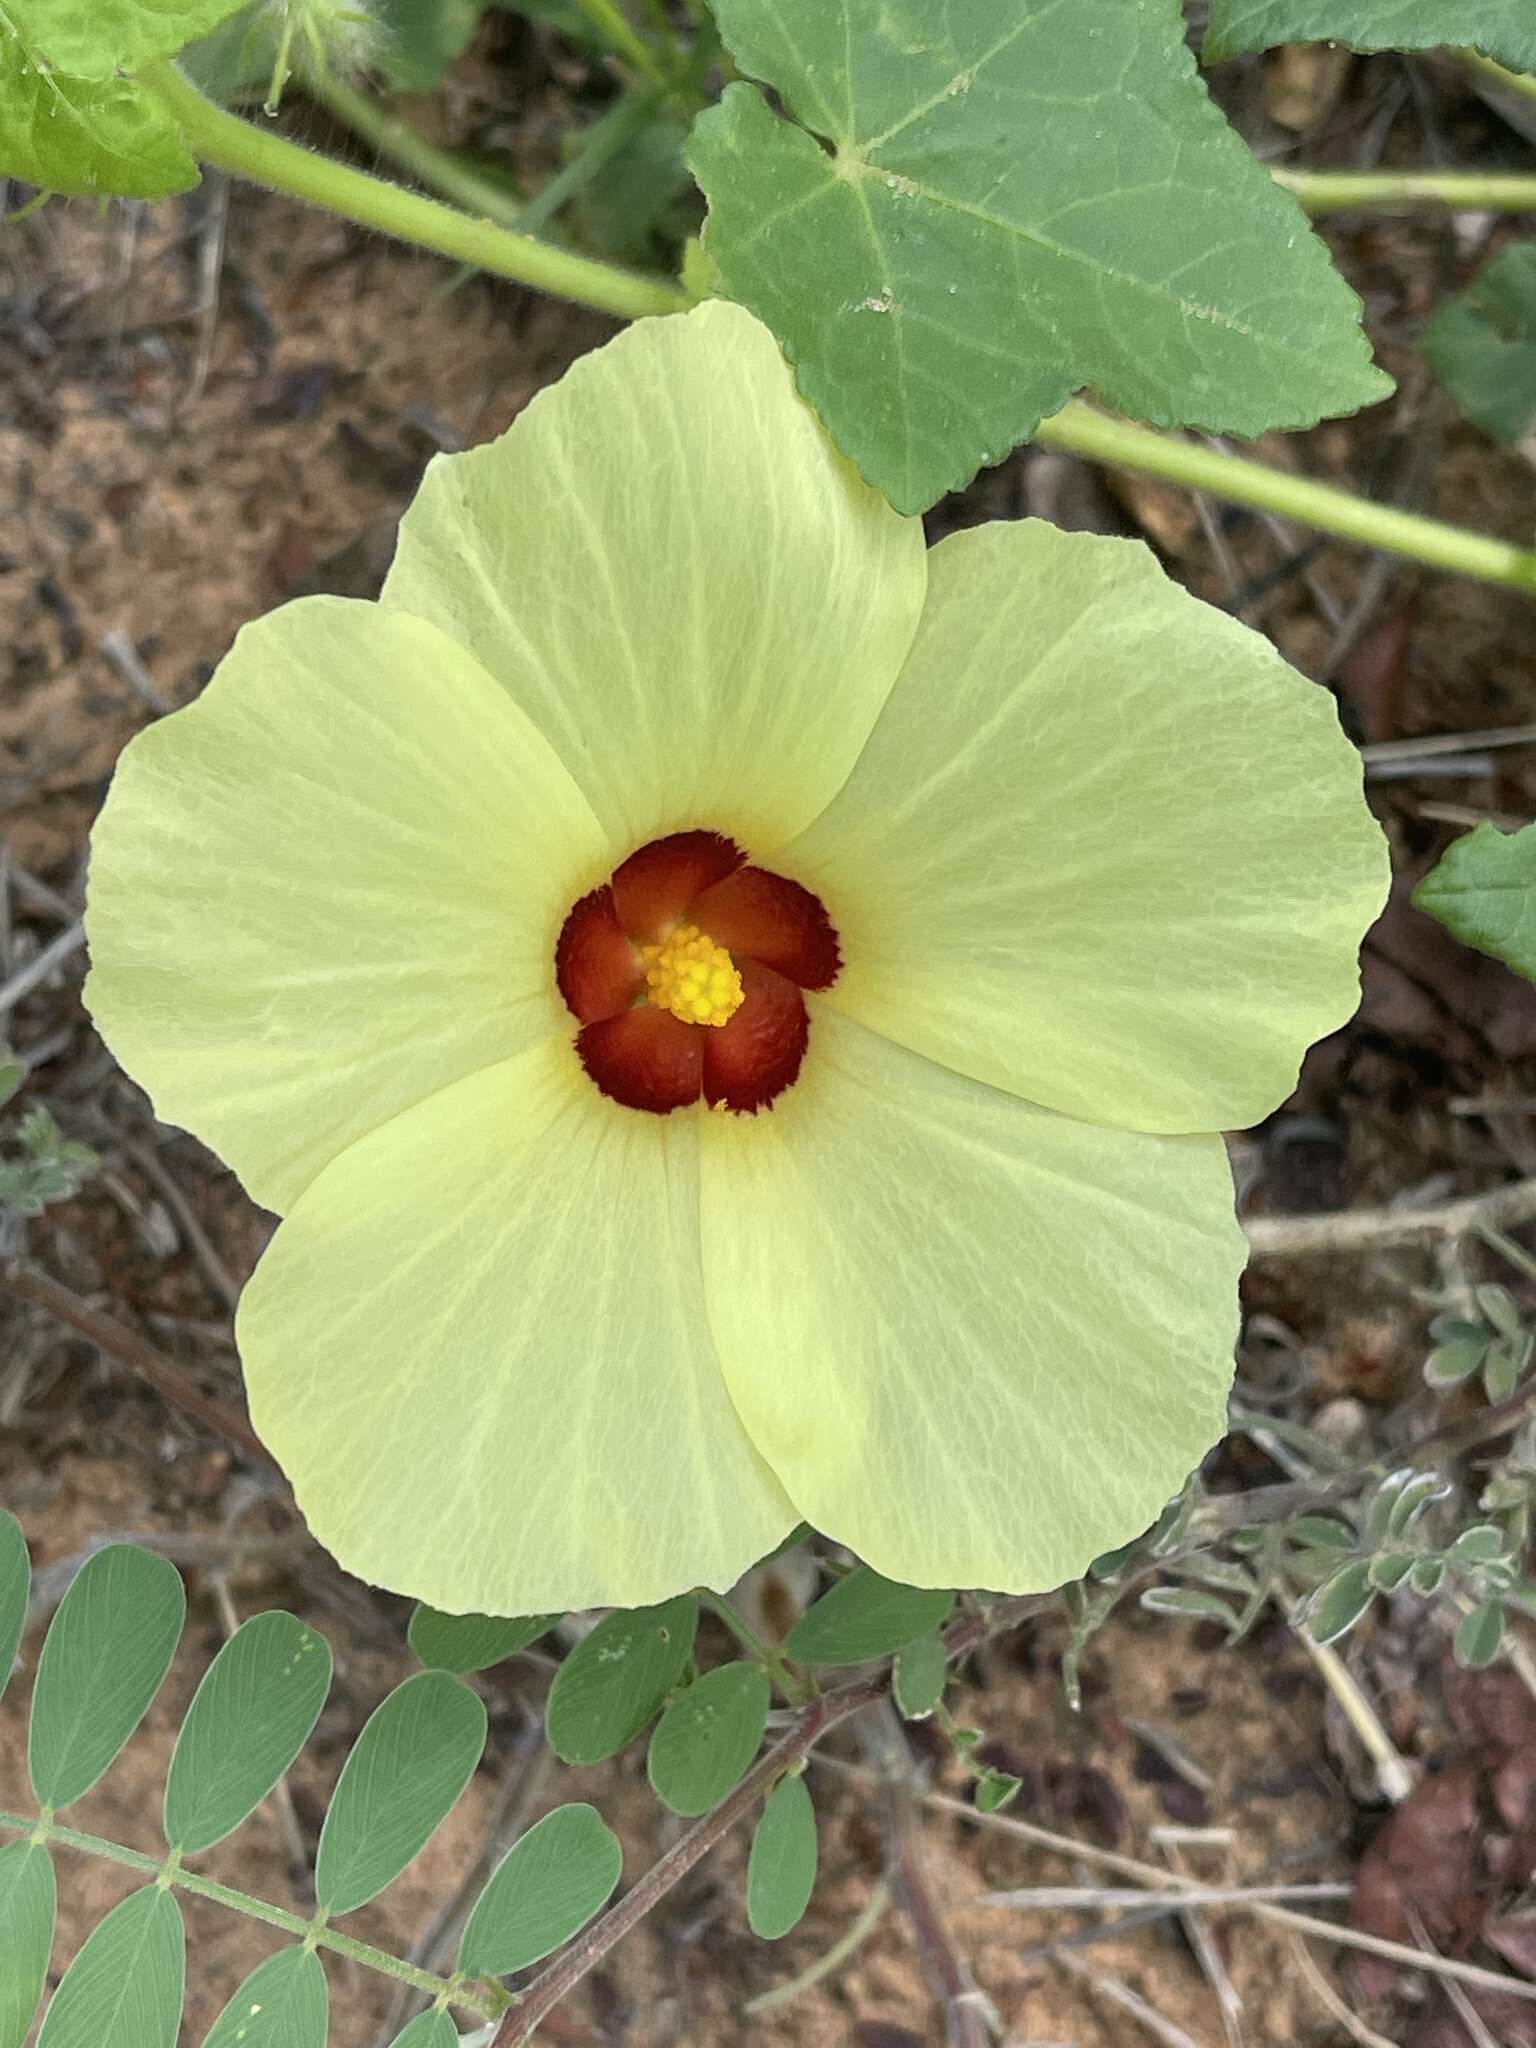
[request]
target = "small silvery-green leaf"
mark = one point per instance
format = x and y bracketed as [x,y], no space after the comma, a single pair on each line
[918,1676]
[104,1659]
[1450,1365]
[1322,1532]
[1409,1501]
[1479,1636]
[705,1740]
[995,1790]
[1389,1568]
[27,1901]
[1482,346]
[12,1075]
[282,2004]
[545,1889]
[75,136]
[1336,1606]
[865,1616]
[1427,1576]
[1189,1602]
[1501,1309]
[417,1752]
[430,2029]
[125,1987]
[616,1678]
[463,1643]
[15,1585]
[976,211]
[1506,1361]
[781,1868]
[1483,1543]
[1484,890]
[1502,29]
[95,39]
[252,1714]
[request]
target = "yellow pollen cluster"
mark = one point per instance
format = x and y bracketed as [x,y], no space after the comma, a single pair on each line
[693,977]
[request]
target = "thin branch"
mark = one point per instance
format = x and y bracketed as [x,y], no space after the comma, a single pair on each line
[1354,1230]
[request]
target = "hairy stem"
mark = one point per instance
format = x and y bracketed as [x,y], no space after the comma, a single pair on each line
[1496,74]
[625,41]
[1398,191]
[1086,431]
[435,168]
[473,1999]
[227,143]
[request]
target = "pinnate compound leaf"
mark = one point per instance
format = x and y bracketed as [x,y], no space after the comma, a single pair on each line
[1482,345]
[707,1738]
[463,1643]
[417,1752]
[865,1616]
[781,1868]
[1016,198]
[918,1676]
[284,2003]
[27,1902]
[105,1657]
[15,1584]
[615,1678]
[1484,890]
[252,1714]
[1502,29]
[545,1889]
[94,39]
[126,1984]
[429,2030]
[85,137]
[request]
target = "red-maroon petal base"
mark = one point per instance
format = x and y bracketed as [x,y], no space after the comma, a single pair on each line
[772,920]
[598,970]
[653,888]
[646,1058]
[755,1057]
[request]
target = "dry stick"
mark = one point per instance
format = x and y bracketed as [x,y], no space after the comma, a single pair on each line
[1129,2001]
[1353,1230]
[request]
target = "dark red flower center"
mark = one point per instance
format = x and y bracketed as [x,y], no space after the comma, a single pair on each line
[685,971]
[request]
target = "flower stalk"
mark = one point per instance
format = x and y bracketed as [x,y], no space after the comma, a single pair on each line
[1324,192]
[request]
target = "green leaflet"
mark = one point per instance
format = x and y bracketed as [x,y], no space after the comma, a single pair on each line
[707,1738]
[918,1676]
[283,2003]
[431,2029]
[781,1868]
[472,1642]
[253,1713]
[1484,890]
[1021,197]
[417,1752]
[125,1986]
[544,1890]
[15,1584]
[105,1657]
[27,1899]
[1482,345]
[1503,29]
[615,1678]
[96,39]
[85,138]
[865,1616]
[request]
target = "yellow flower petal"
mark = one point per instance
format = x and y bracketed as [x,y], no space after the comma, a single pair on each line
[978,1342]
[1104,847]
[330,886]
[686,587]
[479,1350]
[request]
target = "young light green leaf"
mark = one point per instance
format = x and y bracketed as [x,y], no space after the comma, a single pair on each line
[417,1752]
[15,1585]
[100,38]
[995,1790]
[781,1867]
[615,1678]
[1479,1636]
[126,1984]
[545,1889]
[282,2004]
[983,209]
[705,1740]
[1502,29]
[87,139]
[919,1674]
[463,1643]
[1484,890]
[1336,1606]
[27,1901]
[1482,345]
[430,2029]
[865,1616]
[105,1658]
[252,1714]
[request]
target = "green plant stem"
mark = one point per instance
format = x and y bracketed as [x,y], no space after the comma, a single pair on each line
[1397,191]
[229,144]
[762,1652]
[1086,431]
[1512,81]
[601,142]
[622,37]
[174,1874]
[426,163]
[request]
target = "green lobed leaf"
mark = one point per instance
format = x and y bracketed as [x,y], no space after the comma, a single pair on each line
[95,39]
[865,1616]
[976,211]
[545,1889]
[252,1714]
[919,1674]
[27,1904]
[283,2003]
[1502,29]
[1337,1605]
[1484,890]
[430,2029]
[463,1643]
[1482,346]
[616,1677]
[85,137]
[15,1585]
[1479,1636]
[781,1867]
[417,1752]
[708,1736]
[125,1987]
[104,1659]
